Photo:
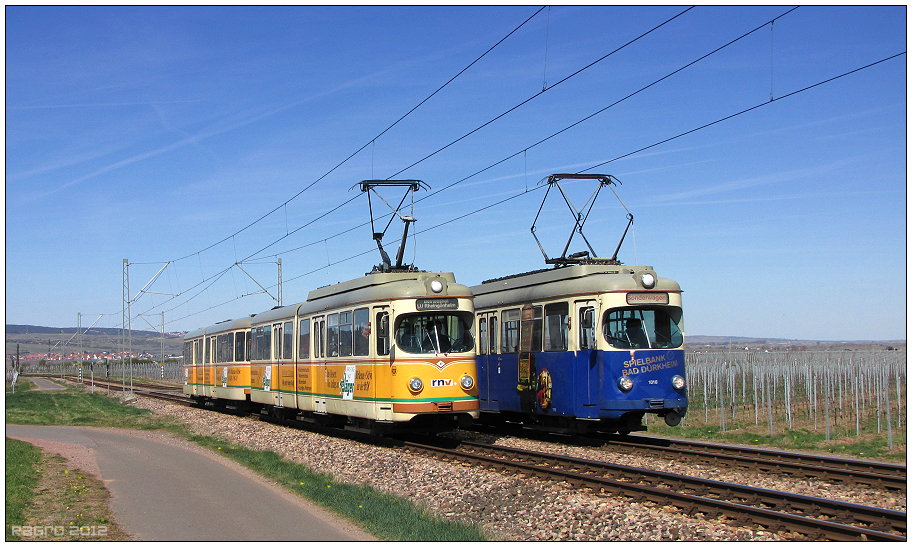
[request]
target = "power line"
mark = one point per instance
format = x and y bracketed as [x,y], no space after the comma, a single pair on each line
[766,103]
[577,72]
[368,143]
[491,121]
[746,110]
[559,132]
[545,90]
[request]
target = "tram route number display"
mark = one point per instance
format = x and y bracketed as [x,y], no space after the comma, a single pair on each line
[425,304]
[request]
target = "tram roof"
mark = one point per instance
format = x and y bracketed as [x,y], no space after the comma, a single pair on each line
[584,278]
[376,279]
[375,286]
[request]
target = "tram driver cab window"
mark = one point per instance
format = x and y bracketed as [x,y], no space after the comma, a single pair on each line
[434,333]
[643,328]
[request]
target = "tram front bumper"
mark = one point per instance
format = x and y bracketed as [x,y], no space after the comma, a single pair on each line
[654,406]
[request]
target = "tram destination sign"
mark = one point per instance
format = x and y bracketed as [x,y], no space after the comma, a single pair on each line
[634,298]
[424,304]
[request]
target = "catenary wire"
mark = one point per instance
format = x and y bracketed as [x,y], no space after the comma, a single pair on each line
[368,143]
[537,143]
[765,103]
[593,63]
[524,150]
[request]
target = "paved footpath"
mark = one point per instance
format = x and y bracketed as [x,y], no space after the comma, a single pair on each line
[46,385]
[168,489]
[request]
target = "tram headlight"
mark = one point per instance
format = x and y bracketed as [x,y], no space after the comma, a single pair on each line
[648,280]
[436,285]
[415,384]
[625,384]
[677,381]
[467,382]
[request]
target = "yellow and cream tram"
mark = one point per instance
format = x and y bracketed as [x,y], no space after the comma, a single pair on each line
[388,348]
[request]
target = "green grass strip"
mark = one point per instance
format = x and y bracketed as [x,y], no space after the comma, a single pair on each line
[75,407]
[383,515]
[21,478]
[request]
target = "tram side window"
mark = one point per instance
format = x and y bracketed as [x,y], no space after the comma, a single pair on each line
[636,328]
[530,335]
[482,336]
[345,334]
[304,339]
[256,338]
[332,335]
[383,341]
[250,339]
[277,350]
[198,351]
[240,344]
[221,343]
[493,335]
[362,331]
[319,328]
[263,343]
[509,328]
[587,328]
[556,326]
[288,341]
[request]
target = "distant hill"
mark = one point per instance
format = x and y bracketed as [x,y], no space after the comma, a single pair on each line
[698,342]
[33,339]
[34,329]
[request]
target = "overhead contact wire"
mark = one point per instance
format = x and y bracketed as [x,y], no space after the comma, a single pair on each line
[370,141]
[536,95]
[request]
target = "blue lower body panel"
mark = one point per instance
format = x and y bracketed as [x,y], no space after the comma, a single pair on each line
[583,385]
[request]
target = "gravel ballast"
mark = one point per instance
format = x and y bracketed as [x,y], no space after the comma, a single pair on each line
[508,507]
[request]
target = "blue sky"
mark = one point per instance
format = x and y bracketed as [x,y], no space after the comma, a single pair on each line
[154,133]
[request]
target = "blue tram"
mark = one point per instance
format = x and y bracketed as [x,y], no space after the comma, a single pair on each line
[590,345]
[581,348]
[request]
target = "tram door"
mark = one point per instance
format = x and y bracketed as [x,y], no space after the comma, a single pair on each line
[283,339]
[318,380]
[586,343]
[210,366]
[304,373]
[381,379]
[530,343]
[488,360]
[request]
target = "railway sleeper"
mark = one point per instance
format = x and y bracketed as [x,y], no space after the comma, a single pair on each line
[741,520]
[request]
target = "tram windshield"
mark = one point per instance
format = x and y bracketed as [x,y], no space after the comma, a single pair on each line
[640,328]
[434,333]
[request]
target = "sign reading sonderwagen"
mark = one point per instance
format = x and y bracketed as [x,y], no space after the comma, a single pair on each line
[634,298]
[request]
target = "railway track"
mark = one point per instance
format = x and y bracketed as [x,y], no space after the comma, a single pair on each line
[172,394]
[846,471]
[813,518]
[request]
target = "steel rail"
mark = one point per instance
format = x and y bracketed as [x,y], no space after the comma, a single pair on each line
[627,481]
[791,464]
[846,464]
